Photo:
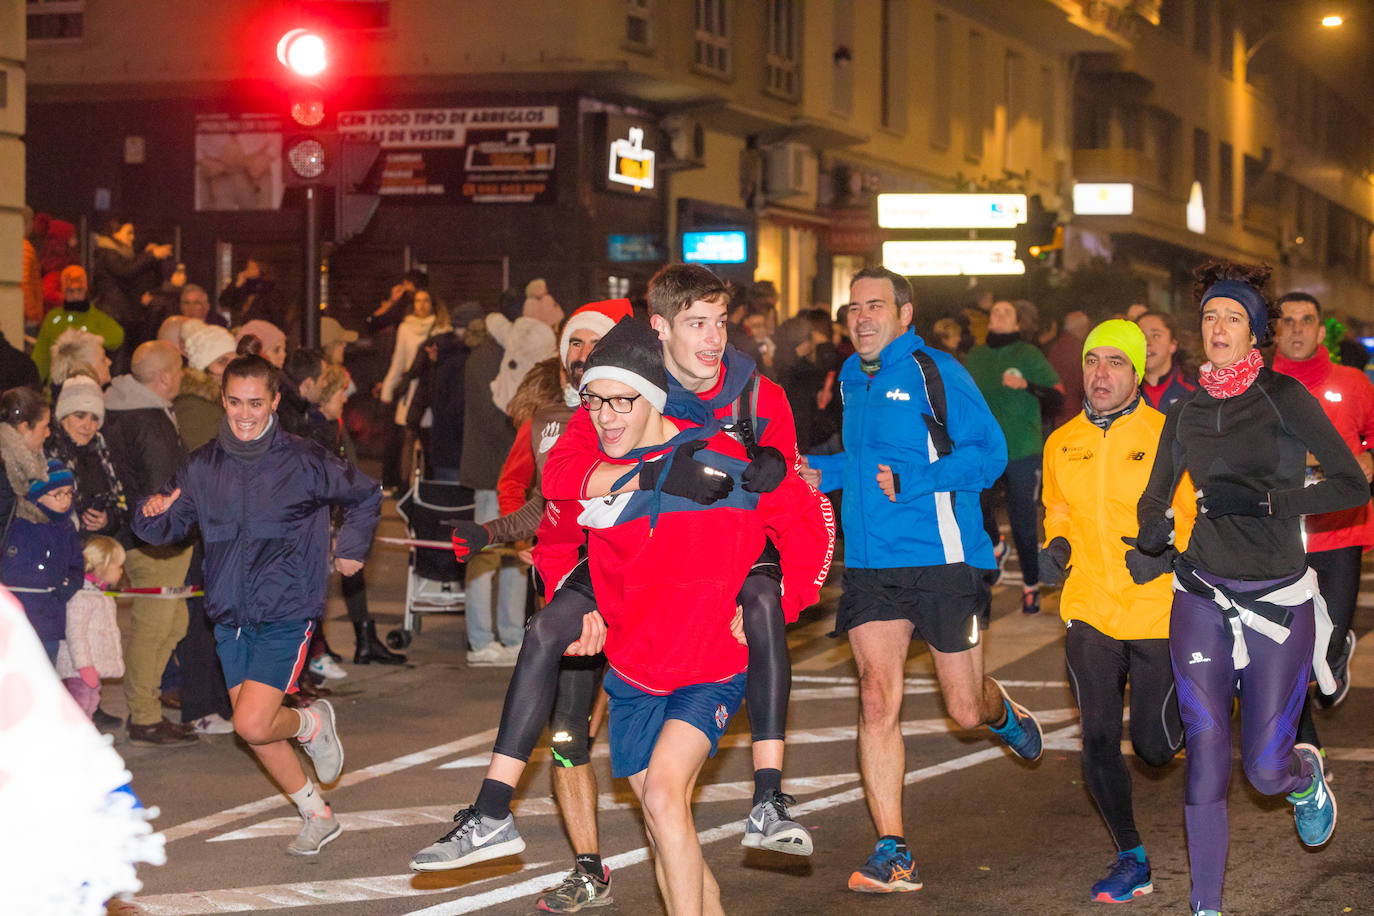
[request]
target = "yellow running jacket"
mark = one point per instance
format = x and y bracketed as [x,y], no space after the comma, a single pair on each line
[1092,482]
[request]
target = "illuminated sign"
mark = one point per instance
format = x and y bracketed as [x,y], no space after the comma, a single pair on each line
[631,163]
[1110,199]
[714,247]
[626,248]
[951,211]
[952,259]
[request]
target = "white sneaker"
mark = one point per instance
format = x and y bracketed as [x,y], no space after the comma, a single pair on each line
[508,656]
[326,667]
[492,655]
[317,830]
[213,724]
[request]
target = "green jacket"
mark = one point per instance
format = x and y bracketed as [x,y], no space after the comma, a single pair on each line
[1016,410]
[60,319]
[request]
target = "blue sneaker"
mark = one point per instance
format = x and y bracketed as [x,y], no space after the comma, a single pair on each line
[1315,809]
[1021,731]
[1202,912]
[886,871]
[1128,879]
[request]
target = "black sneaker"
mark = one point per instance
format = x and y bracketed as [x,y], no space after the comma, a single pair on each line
[1030,601]
[1340,670]
[105,722]
[578,891]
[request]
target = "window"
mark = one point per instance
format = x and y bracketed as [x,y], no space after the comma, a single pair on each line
[940,116]
[1226,180]
[1049,110]
[895,49]
[1171,15]
[1202,158]
[784,36]
[1226,33]
[56,20]
[977,97]
[712,52]
[1202,27]
[639,32]
[1162,146]
[842,74]
[1013,97]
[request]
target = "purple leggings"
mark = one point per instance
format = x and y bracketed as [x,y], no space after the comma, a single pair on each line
[1272,688]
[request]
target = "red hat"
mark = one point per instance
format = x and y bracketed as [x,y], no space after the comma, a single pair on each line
[598,317]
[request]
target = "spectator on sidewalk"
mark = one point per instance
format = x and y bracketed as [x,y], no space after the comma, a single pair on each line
[75,439]
[76,312]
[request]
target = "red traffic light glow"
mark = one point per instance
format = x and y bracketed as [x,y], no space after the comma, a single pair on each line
[303,52]
[307,157]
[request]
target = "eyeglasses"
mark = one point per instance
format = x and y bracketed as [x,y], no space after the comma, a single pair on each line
[619,404]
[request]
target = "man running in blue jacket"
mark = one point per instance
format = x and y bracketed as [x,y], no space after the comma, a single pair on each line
[915,548]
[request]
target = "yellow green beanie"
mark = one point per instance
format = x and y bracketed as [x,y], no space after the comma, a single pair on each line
[1126,336]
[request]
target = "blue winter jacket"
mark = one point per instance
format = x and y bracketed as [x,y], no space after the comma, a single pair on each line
[44,555]
[936,518]
[265,526]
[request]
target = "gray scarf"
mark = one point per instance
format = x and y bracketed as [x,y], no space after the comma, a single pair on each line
[251,451]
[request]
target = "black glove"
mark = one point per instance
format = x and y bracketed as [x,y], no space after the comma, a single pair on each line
[1154,535]
[468,538]
[1146,568]
[1054,562]
[688,477]
[1221,498]
[767,467]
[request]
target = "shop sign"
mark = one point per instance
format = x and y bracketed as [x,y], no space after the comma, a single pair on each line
[631,164]
[953,258]
[500,154]
[1103,198]
[723,247]
[951,211]
[851,231]
[628,248]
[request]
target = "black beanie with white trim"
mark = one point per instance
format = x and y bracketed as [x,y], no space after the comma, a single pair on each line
[631,354]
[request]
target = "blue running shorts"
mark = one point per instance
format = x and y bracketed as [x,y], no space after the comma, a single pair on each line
[636,717]
[269,653]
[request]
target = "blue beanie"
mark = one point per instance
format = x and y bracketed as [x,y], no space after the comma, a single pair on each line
[59,475]
[1250,299]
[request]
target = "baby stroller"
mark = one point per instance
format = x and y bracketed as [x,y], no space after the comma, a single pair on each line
[434,581]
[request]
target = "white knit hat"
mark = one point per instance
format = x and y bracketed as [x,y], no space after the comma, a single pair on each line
[80,393]
[207,344]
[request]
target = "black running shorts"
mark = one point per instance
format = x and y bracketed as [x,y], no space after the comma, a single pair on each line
[947,605]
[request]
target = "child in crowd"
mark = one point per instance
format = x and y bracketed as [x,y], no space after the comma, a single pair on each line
[92,649]
[42,560]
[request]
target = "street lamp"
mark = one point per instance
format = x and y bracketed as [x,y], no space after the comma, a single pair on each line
[1330,22]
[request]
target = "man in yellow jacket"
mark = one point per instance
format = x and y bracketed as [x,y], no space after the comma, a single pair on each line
[1096,466]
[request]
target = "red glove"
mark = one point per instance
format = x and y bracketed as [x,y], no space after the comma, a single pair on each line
[90,677]
[469,538]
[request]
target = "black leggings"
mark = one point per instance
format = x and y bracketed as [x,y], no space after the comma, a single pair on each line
[538,677]
[1338,577]
[1099,667]
[579,679]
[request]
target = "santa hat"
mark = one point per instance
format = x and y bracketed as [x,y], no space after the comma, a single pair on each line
[632,355]
[597,317]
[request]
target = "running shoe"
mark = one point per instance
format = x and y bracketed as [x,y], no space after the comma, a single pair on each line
[1201,912]
[474,838]
[325,666]
[213,724]
[492,655]
[578,891]
[769,826]
[324,748]
[318,830]
[1129,878]
[1000,551]
[886,871]
[1021,731]
[1340,670]
[1315,809]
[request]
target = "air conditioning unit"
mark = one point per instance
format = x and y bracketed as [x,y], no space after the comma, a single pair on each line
[791,170]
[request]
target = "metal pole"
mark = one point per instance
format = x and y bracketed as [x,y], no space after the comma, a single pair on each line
[310,308]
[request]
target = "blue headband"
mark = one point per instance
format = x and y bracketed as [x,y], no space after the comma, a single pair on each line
[1250,299]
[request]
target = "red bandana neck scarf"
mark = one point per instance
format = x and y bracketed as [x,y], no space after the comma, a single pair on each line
[1234,379]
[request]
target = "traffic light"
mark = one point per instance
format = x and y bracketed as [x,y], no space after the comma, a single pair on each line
[354,203]
[1040,233]
[309,144]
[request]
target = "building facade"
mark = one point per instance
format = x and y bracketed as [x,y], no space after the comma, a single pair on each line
[770,126]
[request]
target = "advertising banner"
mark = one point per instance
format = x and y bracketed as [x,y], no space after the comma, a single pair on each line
[238,162]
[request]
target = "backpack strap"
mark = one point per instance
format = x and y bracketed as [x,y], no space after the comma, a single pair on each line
[936,421]
[744,414]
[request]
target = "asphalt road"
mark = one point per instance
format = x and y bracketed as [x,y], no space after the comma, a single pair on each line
[991,834]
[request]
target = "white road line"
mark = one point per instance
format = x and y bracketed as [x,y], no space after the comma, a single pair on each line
[306,893]
[386,768]
[916,681]
[732,828]
[523,808]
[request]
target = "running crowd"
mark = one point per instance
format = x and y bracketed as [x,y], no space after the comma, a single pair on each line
[1206,531]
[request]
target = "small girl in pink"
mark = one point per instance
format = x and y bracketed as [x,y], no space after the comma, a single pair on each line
[92,648]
